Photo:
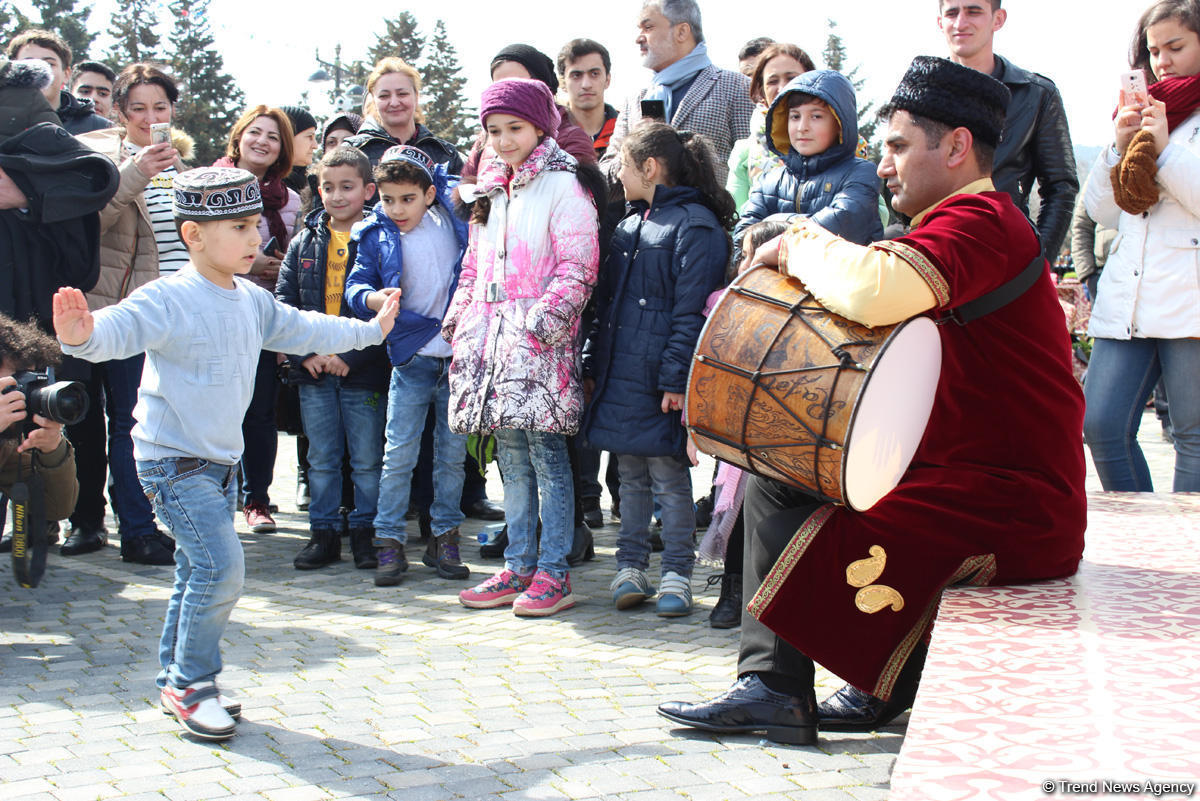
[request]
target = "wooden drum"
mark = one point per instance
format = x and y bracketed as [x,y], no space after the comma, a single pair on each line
[789,390]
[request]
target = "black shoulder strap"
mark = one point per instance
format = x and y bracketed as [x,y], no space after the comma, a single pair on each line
[1002,295]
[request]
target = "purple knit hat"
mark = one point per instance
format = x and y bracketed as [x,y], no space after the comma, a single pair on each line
[521,97]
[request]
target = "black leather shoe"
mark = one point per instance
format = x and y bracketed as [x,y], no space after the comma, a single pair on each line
[582,548]
[751,706]
[151,549]
[851,709]
[84,539]
[483,509]
[495,549]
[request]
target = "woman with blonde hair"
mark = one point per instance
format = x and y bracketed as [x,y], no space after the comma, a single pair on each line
[392,111]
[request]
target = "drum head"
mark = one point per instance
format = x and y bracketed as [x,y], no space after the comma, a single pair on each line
[892,412]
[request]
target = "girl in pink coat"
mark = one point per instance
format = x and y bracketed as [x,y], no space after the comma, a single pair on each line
[514,328]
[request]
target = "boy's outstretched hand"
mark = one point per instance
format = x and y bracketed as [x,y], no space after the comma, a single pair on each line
[387,313]
[73,323]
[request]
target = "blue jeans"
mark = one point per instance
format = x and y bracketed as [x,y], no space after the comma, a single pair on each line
[645,480]
[416,384]
[195,500]
[112,389]
[1121,375]
[333,415]
[531,461]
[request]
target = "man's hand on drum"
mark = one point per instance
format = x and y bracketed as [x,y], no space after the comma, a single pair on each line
[693,455]
[768,253]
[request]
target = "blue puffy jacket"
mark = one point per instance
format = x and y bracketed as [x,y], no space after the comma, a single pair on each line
[301,283]
[379,263]
[649,312]
[836,190]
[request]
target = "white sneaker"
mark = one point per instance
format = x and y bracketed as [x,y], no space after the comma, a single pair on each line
[198,707]
[674,595]
[630,587]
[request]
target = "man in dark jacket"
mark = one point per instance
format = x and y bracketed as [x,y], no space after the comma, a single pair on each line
[1036,144]
[585,71]
[51,191]
[77,115]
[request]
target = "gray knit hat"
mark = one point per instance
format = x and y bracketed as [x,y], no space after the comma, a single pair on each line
[216,193]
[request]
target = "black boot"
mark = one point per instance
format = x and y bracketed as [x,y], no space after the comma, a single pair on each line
[324,548]
[582,548]
[727,613]
[363,547]
[441,553]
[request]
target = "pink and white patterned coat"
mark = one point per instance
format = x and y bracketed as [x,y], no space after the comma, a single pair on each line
[514,320]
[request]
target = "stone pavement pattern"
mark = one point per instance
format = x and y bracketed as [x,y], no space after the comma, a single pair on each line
[354,691]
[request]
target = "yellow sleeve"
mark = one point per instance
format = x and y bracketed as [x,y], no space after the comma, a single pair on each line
[866,284]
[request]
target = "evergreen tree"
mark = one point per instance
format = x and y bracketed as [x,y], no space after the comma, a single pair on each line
[446,111]
[132,28]
[399,38]
[209,100]
[70,23]
[834,56]
[12,21]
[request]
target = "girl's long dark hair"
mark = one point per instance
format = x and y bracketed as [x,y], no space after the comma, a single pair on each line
[1185,12]
[688,161]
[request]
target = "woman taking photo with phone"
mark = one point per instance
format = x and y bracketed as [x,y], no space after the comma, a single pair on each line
[138,243]
[1146,318]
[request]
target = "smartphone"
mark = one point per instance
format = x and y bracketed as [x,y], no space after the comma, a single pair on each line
[271,246]
[1133,84]
[654,110]
[160,132]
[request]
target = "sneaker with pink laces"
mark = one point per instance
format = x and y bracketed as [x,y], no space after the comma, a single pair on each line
[258,517]
[198,708]
[545,596]
[500,590]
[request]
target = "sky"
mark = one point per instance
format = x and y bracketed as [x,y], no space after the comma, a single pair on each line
[1082,47]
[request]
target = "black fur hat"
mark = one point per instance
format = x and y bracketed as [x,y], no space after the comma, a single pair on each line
[22,104]
[939,89]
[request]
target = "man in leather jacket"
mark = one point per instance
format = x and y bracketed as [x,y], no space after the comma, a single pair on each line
[1036,144]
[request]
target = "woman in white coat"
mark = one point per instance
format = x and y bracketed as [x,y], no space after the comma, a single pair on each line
[1146,319]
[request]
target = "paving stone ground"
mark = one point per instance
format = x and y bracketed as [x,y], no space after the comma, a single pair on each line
[354,691]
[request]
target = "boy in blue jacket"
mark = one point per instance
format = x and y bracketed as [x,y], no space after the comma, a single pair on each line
[412,243]
[341,395]
[813,127]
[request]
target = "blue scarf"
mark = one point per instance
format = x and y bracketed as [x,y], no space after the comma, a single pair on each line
[672,77]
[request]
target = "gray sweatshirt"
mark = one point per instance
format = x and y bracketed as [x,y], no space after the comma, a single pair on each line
[202,344]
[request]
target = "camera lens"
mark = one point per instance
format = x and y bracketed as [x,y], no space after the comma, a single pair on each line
[63,402]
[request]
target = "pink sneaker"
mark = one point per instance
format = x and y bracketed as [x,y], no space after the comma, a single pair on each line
[545,596]
[500,590]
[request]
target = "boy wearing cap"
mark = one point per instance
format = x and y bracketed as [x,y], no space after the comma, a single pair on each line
[411,245]
[201,330]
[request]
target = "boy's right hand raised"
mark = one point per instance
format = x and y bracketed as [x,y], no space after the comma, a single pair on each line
[73,323]
[387,313]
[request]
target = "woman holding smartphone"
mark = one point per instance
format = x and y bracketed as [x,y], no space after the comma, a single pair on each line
[1146,318]
[138,244]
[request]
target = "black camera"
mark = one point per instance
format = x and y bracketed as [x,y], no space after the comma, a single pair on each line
[63,402]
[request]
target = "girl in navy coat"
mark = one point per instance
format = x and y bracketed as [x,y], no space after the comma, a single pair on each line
[667,255]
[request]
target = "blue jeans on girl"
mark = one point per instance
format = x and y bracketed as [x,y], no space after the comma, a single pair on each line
[532,462]
[195,499]
[334,413]
[646,480]
[420,381]
[1121,375]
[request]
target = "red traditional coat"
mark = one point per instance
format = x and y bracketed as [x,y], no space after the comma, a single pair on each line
[995,492]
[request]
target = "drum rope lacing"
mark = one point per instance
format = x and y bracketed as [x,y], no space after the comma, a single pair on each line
[846,361]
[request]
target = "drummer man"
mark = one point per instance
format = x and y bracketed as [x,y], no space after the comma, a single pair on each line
[995,492]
